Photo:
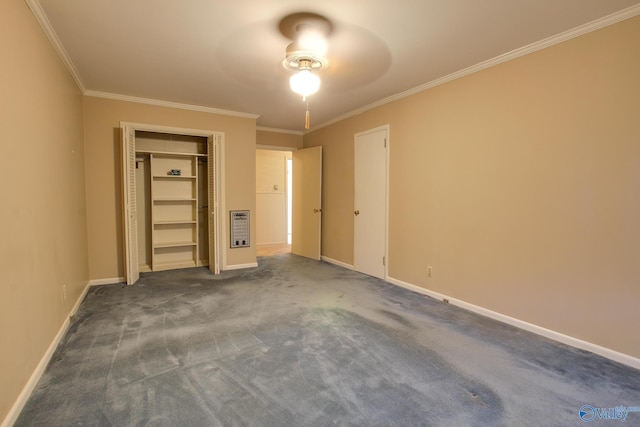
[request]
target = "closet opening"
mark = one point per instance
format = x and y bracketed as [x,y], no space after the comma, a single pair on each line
[171,182]
[171,189]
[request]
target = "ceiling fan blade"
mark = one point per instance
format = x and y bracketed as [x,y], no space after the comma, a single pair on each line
[356,57]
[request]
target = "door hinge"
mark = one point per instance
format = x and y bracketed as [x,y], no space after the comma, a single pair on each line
[384,261]
[385,143]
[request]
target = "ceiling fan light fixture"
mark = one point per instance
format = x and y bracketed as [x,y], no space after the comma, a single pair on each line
[304,82]
[307,54]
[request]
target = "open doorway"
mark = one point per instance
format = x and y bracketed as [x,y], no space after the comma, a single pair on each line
[273,202]
[289,201]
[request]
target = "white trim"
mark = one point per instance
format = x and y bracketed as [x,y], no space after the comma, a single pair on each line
[580,30]
[284,242]
[539,330]
[223,233]
[169,129]
[76,306]
[111,281]
[275,147]
[23,397]
[44,22]
[220,237]
[336,262]
[168,104]
[287,131]
[241,266]
[370,131]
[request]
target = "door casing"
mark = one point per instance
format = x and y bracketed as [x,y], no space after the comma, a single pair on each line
[371,202]
[217,239]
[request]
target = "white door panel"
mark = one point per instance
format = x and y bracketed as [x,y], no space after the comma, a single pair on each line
[130,213]
[370,202]
[307,202]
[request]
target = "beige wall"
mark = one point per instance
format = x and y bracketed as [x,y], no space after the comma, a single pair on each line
[518,184]
[278,139]
[42,219]
[102,119]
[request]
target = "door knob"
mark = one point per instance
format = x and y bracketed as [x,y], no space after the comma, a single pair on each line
[356,213]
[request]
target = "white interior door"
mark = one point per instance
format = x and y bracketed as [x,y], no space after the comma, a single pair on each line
[130,213]
[370,202]
[306,220]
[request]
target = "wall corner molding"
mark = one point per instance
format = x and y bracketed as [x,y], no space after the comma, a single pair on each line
[275,130]
[580,30]
[44,22]
[23,397]
[608,353]
[107,281]
[240,266]
[169,104]
[336,262]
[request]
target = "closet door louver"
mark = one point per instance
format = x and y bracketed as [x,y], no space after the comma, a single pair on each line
[130,213]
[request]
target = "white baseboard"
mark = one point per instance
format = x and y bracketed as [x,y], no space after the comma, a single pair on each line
[539,330]
[240,266]
[112,281]
[336,262]
[28,388]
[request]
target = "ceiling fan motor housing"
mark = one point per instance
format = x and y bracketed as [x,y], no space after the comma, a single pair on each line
[298,58]
[309,33]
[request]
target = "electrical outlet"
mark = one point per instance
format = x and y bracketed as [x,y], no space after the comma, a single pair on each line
[64,292]
[429,271]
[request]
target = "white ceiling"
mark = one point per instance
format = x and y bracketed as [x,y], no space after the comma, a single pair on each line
[227,54]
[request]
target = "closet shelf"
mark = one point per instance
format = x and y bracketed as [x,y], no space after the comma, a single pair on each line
[173,244]
[174,177]
[175,199]
[174,213]
[159,153]
[160,266]
[174,222]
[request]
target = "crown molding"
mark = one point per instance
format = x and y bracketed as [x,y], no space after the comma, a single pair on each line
[589,27]
[275,130]
[597,24]
[44,22]
[168,104]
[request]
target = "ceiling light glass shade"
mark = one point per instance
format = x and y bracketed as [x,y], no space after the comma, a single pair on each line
[304,83]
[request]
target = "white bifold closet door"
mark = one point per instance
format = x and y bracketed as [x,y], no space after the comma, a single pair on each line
[130,213]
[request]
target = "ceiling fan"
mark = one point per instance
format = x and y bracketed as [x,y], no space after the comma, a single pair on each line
[307,54]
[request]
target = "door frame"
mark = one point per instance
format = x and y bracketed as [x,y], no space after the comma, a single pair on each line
[287,189]
[308,211]
[220,255]
[386,128]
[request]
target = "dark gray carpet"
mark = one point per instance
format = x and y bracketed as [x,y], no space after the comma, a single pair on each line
[297,342]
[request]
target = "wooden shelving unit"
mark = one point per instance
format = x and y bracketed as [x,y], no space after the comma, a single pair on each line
[174,213]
